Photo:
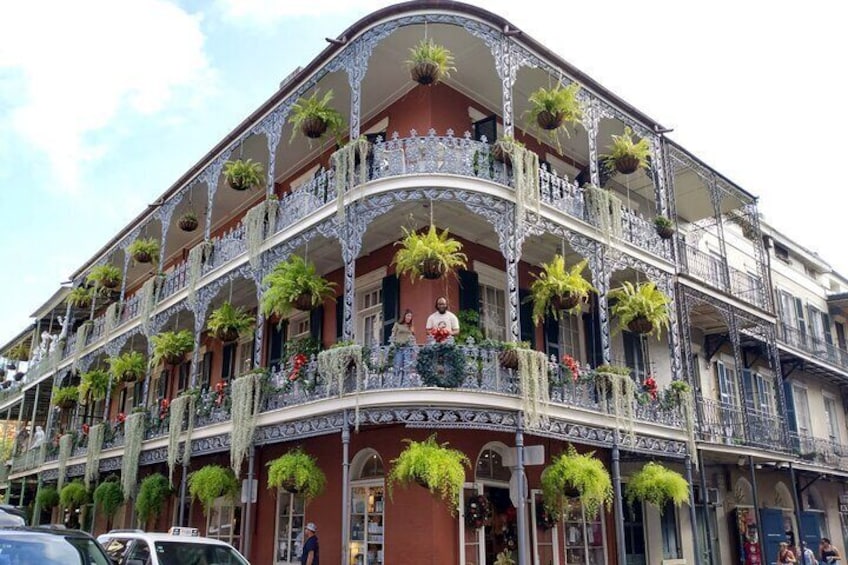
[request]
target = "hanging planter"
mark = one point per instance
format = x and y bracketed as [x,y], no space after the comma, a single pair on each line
[188,222]
[642,308]
[108,496]
[144,250]
[227,322]
[297,472]
[66,397]
[127,367]
[243,174]
[93,385]
[664,227]
[313,117]
[294,283]
[436,467]
[211,482]
[105,276]
[556,289]
[428,255]
[171,347]
[552,110]
[81,297]
[153,491]
[626,156]
[578,472]
[19,376]
[657,485]
[508,356]
[429,62]
[47,498]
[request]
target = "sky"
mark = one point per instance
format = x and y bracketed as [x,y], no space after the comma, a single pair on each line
[104,104]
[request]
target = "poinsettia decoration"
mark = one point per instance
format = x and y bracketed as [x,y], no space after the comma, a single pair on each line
[440,334]
[572,365]
[298,361]
[650,387]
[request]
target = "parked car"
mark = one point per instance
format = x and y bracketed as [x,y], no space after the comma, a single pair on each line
[49,546]
[11,516]
[180,546]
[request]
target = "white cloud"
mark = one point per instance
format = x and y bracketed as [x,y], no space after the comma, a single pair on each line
[85,65]
[265,13]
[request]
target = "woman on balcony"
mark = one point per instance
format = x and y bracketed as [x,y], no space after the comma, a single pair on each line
[403,338]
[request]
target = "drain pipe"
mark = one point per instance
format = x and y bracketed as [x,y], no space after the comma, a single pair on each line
[687,465]
[705,494]
[345,489]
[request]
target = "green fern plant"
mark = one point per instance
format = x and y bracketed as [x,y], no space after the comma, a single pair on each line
[171,347]
[81,297]
[296,471]
[428,254]
[434,466]
[627,155]
[211,482]
[127,367]
[108,496]
[313,116]
[294,283]
[243,174]
[552,110]
[153,491]
[228,322]
[642,308]
[73,495]
[144,250]
[580,472]
[656,485]
[66,396]
[94,384]
[47,498]
[104,276]
[429,62]
[557,288]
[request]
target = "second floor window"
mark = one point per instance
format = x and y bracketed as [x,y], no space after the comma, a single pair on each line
[369,315]
[493,312]
[728,389]
[831,419]
[802,410]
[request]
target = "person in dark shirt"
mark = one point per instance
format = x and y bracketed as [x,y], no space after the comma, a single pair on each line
[310,546]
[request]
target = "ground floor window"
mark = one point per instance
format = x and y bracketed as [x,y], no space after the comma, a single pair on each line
[224,521]
[290,521]
[366,523]
[634,535]
[583,535]
[670,532]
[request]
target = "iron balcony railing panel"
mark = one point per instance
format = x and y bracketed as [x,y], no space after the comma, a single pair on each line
[730,424]
[748,287]
[816,347]
[704,266]
[824,451]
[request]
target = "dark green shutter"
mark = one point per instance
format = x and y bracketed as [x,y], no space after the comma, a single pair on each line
[551,329]
[277,344]
[391,305]
[206,372]
[469,291]
[789,398]
[748,389]
[229,358]
[592,327]
[525,314]
[316,324]
[340,318]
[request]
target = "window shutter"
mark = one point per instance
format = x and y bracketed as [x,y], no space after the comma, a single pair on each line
[163,385]
[799,313]
[551,329]
[469,295]
[206,372]
[486,127]
[339,318]
[316,323]
[229,357]
[525,314]
[633,355]
[748,389]
[276,345]
[391,305]
[138,391]
[592,327]
[828,334]
[789,398]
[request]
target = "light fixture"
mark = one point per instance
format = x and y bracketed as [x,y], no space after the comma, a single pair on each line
[783,465]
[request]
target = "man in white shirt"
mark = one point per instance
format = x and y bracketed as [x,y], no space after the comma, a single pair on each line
[441,318]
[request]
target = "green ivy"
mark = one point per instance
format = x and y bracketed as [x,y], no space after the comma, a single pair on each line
[439,468]
[47,498]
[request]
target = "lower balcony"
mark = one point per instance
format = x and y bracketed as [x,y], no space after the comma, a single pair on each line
[728,424]
[822,451]
[816,347]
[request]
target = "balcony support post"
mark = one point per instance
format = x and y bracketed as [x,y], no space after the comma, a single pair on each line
[747,433]
[165,213]
[777,370]
[123,296]
[345,489]
[715,197]
[272,128]
[600,279]
[708,550]
[521,510]
[248,511]
[693,521]
[591,120]
[618,504]
[35,407]
[796,500]
[108,400]
[755,491]
[211,176]
[674,348]
[350,238]
[260,324]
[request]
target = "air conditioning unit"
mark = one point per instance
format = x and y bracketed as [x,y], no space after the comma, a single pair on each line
[713,496]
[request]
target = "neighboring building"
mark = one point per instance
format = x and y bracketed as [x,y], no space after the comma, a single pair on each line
[758,325]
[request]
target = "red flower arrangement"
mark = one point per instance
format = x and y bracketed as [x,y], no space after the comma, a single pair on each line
[650,386]
[440,334]
[572,365]
[121,417]
[298,361]
[85,429]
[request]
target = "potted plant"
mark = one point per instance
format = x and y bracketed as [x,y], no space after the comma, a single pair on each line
[664,227]
[429,62]
[66,397]
[433,466]
[127,367]
[93,385]
[428,255]
[294,283]
[19,352]
[552,108]
[171,347]
[578,472]
[656,485]
[626,155]
[297,472]
[81,297]
[211,482]
[228,322]
[47,498]
[642,308]
[144,250]
[243,174]
[508,356]
[313,116]
[188,221]
[153,491]
[73,495]
[105,276]
[108,496]
[503,148]
[557,288]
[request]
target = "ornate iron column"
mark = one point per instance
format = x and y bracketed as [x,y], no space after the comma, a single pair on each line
[260,323]
[272,128]
[345,488]
[693,523]
[715,197]
[521,514]
[210,176]
[618,504]
[350,239]
[591,119]
[601,280]
[165,213]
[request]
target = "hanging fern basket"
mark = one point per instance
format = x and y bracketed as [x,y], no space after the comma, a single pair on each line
[425,72]
[640,325]
[501,153]
[508,359]
[130,376]
[565,301]
[304,302]
[627,164]
[110,282]
[19,376]
[142,257]
[313,127]
[549,121]
[432,269]
[174,359]
[188,223]
[227,335]
[665,232]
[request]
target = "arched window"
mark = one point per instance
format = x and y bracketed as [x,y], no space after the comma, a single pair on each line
[367,464]
[490,465]
[367,495]
[743,493]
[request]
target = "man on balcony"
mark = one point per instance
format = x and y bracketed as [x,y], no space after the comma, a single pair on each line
[442,324]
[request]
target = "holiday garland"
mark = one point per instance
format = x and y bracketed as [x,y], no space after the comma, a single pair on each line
[177,412]
[133,436]
[246,397]
[478,511]
[147,303]
[605,208]
[533,379]
[92,456]
[441,364]
[256,228]
[66,443]
[344,163]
